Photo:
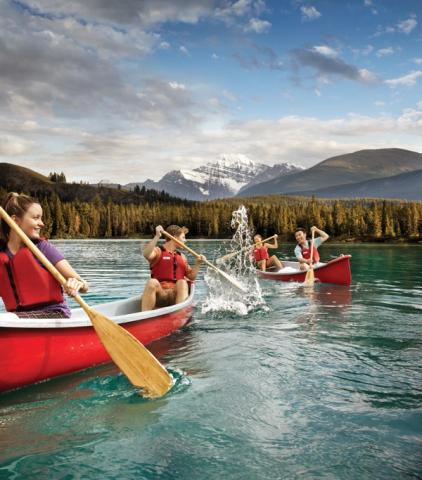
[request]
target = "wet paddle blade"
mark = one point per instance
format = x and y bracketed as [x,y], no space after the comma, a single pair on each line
[229,279]
[134,360]
[310,277]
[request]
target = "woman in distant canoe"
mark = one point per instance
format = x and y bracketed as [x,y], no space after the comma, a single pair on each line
[261,255]
[303,247]
[26,287]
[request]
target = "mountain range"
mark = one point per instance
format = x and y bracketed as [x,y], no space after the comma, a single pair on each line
[378,173]
[350,175]
[224,178]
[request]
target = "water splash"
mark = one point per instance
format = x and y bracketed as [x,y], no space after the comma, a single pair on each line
[222,297]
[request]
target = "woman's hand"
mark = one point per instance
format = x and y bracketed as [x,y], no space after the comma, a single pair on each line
[74,285]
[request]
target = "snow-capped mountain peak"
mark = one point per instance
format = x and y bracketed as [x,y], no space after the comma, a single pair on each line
[225,177]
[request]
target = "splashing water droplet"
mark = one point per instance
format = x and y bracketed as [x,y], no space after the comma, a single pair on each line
[241,267]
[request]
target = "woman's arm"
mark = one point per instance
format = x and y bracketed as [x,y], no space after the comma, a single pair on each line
[272,245]
[74,282]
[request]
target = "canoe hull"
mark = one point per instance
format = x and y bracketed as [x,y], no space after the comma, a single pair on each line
[337,272]
[31,355]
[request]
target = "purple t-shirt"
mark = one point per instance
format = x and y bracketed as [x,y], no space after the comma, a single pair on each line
[52,254]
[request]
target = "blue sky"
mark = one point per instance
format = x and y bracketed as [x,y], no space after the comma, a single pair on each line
[128,90]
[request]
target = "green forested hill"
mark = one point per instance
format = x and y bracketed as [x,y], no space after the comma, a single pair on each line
[82,211]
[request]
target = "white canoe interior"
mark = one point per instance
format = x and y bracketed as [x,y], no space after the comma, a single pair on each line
[293,267]
[120,311]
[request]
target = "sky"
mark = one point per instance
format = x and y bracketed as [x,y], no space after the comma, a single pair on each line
[126,90]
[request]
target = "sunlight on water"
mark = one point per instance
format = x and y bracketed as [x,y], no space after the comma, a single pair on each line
[222,296]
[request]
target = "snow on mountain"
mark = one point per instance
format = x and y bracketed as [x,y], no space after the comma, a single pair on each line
[224,178]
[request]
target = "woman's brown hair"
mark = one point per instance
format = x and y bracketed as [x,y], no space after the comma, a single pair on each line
[14,204]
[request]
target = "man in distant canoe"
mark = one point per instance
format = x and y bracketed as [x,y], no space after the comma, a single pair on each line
[261,256]
[303,247]
[170,270]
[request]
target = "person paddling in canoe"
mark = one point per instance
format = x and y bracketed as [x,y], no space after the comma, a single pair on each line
[303,247]
[170,270]
[261,255]
[26,287]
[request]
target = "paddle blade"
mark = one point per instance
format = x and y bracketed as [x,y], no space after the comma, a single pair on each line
[310,277]
[231,280]
[139,365]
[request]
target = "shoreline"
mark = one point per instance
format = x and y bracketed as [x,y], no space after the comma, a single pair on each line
[220,240]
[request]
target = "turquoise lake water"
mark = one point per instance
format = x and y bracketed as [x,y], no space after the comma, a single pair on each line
[312,383]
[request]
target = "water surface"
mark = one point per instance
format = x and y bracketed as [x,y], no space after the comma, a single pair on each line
[320,383]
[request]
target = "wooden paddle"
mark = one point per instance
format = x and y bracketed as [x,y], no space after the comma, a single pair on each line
[233,254]
[139,365]
[310,275]
[227,277]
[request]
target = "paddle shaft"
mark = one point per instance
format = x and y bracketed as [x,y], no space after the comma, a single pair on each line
[196,255]
[230,255]
[312,248]
[39,255]
[134,360]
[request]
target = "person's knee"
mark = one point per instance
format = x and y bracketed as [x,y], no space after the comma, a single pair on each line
[152,285]
[181,284]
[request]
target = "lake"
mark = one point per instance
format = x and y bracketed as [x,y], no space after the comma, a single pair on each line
[311,383]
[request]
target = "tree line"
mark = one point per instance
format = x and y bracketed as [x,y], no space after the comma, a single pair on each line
[360,219]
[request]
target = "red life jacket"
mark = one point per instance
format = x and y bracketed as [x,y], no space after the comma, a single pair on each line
[261,254]
[25,284]
[306,253]
[169,267]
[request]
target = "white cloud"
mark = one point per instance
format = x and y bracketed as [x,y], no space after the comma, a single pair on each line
[164,45]
[369,4]
[418,61]
[309,13]
[406,26]
[177,86]
[184,50]
[408,80]
[13,146]
[257,26]
[383,52]
[326,50]
[215,56]
[379,103]
[267,140]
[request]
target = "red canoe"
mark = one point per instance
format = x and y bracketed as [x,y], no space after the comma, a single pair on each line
[336,271]
[32,350]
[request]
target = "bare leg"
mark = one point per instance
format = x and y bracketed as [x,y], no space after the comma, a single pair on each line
[149,297]
[262,265]
[274,262]
[182,291]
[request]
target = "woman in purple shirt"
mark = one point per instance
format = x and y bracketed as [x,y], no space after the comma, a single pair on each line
[26,287]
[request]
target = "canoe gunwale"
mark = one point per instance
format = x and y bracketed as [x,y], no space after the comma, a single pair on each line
[297,276]
[10,320]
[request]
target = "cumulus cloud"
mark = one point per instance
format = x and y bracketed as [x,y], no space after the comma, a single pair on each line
[127,12]
[270,141]
[408,80]
[326,64]
[309,13]
[257,26]
[370,4]
[383,52]
[405,26]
